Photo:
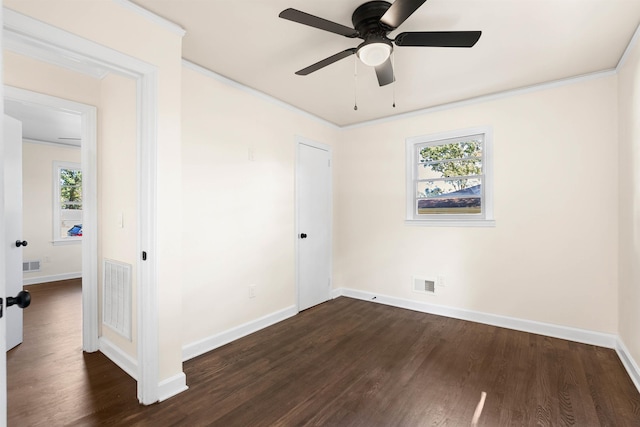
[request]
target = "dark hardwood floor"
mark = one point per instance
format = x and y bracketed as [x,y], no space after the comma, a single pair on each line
[342,363]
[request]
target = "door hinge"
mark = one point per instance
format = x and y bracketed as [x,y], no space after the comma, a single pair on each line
[144,255]
[1,305]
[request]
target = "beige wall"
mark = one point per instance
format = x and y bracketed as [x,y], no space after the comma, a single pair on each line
[115,26]
[238,224]
[37,212]
[552,256]
[629,113]
[117,190]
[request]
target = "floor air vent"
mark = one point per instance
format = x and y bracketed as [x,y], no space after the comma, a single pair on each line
[30,266]
[116,297]
[424,286]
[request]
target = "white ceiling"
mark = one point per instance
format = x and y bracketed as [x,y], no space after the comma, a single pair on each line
[45,124]
[523,43]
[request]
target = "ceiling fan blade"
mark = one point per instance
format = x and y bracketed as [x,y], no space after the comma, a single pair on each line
[327,61]
[316,22]
[438,38]
[399,11]
[384,72]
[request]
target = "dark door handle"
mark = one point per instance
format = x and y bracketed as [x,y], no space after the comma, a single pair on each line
[22,300]
[21,243]
[303,236]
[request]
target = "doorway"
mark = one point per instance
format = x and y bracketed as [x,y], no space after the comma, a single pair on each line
[41,41]
[313,223]
[32,101]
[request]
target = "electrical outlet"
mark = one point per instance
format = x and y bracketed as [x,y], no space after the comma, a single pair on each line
[252,291]
[46,258]
[441,281]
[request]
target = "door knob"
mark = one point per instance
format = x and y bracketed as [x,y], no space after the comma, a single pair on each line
[303,236]
[22,300]
[21,243]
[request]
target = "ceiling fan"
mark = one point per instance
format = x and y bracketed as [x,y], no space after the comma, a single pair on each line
[373,21]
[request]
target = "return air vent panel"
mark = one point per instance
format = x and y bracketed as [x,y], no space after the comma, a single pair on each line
[424,286]
[30,266]
[116,297]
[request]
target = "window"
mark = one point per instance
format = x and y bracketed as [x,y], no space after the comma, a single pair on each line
[449,179]
[67,202]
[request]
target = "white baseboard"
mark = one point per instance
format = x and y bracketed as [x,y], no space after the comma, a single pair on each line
[202,346]
[172,386]
[120,358]
[52,278]
[629,364]
[564,332]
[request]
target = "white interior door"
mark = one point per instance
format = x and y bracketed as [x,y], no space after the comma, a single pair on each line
[3,296]
[313,202]
[12,137]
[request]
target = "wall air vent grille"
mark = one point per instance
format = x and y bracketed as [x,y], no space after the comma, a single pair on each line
[424,286]
[30,266]
[116,297]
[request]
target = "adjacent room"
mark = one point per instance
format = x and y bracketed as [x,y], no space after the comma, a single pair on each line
[325,212]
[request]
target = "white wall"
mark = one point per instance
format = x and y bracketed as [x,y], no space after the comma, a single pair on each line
[56,262]
[629,111]
[238,224]
[552,256]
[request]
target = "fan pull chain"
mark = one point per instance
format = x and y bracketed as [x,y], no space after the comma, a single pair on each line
[355,83]
[393,81]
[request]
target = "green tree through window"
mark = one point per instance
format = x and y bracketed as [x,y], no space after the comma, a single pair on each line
[70,189]
[459,159]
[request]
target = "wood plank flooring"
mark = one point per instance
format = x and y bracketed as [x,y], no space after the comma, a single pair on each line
[342,363]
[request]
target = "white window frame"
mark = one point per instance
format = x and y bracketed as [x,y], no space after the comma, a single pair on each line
[485,218]
[57,239]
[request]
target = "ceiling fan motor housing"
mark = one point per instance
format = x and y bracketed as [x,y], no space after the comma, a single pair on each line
[366,18]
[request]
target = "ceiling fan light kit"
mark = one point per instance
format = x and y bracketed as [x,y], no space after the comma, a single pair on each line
[372,22]
[374,53]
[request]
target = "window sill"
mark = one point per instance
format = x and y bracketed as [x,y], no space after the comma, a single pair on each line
[451,222]
[66,242]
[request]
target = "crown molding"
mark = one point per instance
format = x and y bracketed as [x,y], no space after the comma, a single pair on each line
[150,16]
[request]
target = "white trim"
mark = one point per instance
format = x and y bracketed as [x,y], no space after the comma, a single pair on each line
[547,329]
[628,362]
[150,16]
[120,358]
[627,51]
[3,279]
[73,48]
[172,386]
[66,242]
[25,46]
[89,164]
[258,94]
[147,289]
[55,144]
[52,278]
[451,222]
[205,345]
